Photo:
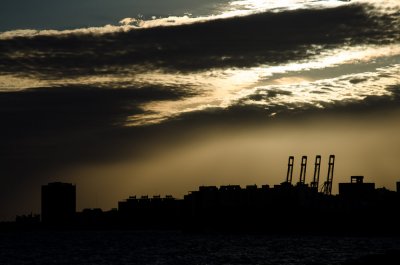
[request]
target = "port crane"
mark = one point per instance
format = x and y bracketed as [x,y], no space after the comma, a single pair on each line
[302,180]
[289,174]
[327,187]
[317,170]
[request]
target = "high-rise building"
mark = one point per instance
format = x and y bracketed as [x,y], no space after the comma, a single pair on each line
[58,203]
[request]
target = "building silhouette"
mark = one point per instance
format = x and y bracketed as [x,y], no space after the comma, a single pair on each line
[155,212]
[58,203]
[357,189]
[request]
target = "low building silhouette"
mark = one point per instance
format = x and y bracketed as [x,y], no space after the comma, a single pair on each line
[27,219]
[144,212]
[58,203]
[96,218]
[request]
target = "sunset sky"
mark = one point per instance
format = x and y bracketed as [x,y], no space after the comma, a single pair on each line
[156,97]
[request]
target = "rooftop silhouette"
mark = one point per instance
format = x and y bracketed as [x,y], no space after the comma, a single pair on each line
[58,203]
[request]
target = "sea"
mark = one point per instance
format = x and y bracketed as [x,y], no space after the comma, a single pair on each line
[172,247]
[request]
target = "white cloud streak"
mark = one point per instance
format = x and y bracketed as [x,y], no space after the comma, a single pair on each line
[234,9]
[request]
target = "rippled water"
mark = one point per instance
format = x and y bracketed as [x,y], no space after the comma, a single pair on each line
[177,248]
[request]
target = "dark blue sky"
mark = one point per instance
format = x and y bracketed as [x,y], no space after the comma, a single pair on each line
[61,14]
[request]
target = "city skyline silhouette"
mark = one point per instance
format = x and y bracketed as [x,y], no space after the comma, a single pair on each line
[166,102]
[358,209]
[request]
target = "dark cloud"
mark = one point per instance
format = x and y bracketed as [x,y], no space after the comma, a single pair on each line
[49,127]
[47,131]
[241,114]
[261,95]
[357,80]
[368,104]
[78,106]
[235,42]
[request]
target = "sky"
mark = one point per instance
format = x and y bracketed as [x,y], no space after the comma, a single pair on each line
[159,97]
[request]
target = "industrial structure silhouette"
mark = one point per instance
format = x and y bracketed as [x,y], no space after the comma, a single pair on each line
[299,208]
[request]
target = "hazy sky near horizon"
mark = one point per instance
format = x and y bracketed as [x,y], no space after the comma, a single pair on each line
[159,97]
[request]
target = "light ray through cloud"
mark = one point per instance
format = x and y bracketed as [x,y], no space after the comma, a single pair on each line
[221,88]
[224,88]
